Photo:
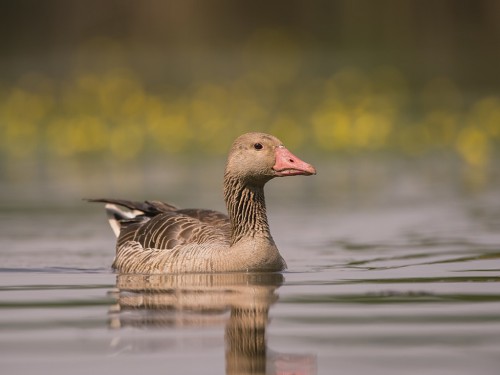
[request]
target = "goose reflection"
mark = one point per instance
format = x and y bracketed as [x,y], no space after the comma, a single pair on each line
[240,301]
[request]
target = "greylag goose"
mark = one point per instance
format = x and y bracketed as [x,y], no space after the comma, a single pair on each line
[156,237]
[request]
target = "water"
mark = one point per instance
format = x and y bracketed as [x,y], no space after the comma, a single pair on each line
[386,276]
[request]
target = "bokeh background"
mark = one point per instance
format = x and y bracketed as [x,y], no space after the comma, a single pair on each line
[98,97]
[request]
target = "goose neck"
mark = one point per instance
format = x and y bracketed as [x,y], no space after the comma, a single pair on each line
[246,207]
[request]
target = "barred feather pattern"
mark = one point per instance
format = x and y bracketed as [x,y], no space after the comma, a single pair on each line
[247,209]
[170,229]
[134,258]
[168,242]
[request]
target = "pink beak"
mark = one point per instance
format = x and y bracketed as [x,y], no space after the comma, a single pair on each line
[287,164]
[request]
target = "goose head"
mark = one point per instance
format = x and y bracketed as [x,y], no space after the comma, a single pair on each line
[255,158]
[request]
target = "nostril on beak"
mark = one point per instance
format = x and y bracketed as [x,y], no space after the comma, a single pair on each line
[291,160]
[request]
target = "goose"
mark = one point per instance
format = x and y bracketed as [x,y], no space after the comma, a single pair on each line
[154,237]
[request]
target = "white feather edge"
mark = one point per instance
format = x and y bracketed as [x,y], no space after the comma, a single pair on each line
[116,213]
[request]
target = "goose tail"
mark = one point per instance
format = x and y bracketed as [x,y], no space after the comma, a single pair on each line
[122,213]
[117,217]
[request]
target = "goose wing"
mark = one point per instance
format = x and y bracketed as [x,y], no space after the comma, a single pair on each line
[170,229]
[160,225]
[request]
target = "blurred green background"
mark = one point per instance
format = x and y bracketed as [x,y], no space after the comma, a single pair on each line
[112,82]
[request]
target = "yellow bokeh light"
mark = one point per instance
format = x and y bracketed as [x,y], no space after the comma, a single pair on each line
[126,141]
[108,110]
[285,128]
[473,146]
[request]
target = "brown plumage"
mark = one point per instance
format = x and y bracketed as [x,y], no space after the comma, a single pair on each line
[156,237]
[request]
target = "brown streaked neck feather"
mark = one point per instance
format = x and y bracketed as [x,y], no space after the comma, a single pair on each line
[246,208]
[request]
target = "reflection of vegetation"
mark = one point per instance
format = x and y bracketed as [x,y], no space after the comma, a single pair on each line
[111,113]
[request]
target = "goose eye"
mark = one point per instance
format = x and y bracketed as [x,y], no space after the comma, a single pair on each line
[258,146]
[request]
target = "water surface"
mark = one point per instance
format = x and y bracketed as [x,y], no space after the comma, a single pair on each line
[398,276]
